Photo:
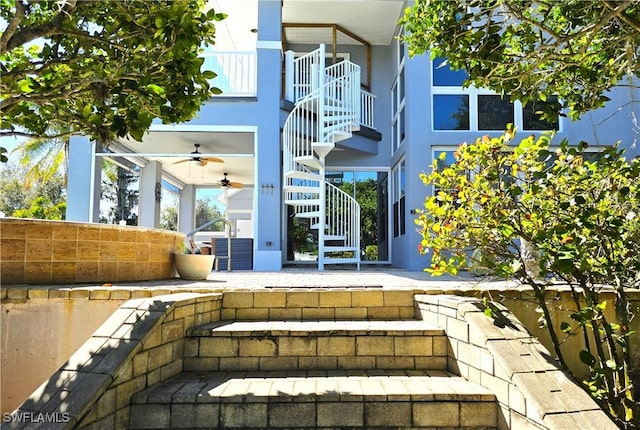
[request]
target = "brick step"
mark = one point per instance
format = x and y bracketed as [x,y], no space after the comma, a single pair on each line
[311,345]
[315,399]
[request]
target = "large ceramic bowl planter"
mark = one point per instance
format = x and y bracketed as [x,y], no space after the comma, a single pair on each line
[194,266]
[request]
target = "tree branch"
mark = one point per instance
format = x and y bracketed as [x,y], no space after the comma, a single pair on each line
[55,93]
[630,21]
[32,33]
[4,133]
[12,26]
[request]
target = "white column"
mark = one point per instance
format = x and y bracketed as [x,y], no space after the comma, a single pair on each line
[186,209]
[83,182]
[150,193]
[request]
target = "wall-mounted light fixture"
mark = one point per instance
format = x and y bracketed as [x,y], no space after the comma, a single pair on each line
[267,188]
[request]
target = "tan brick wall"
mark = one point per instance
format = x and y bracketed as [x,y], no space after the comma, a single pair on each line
[54,252]
[318,304]
[505,358]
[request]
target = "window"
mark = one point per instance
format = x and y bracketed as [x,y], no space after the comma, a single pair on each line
[444,76]
[210,204]
[397,100]
[531,116]
[444,158]
[169,206]
[494,112]
[451,112]
[457,108]
[399,205]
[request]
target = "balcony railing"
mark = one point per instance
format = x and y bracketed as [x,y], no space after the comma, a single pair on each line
[237,72]
[237,77]
[302,77]
[366,109]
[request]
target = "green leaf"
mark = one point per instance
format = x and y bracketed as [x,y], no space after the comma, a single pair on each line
[587,358]
[208,74]
[565,327]
[156,89]
[25,85]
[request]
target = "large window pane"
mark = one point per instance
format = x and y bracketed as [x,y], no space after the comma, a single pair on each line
[210,204]
[399,187]
[444,76]
[531,115]
[119,194]
[450,112]
[494,113]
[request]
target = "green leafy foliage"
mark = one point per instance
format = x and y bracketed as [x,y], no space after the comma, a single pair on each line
[43,208]
[23,196]
[531,50]
[537,214]
[206,211]
[104,69]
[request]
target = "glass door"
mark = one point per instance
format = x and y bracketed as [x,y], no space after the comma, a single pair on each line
[370,189]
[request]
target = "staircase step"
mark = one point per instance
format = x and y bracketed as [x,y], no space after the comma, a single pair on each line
[339,136]
[315,399]
[310,214]
[340,249]
[341,117]
[297,174]
[332,237]
[322,148]
[335,127]
[302,202]
[323,345]
[302,189]
[309,161]
[341,260]
[335,107]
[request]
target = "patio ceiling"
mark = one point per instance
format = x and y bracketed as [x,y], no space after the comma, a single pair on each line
[372,20]
[236,149]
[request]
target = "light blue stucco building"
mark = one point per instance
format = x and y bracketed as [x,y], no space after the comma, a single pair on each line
[322,109]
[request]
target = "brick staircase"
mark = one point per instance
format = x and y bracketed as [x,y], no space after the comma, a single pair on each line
[300,358]
[323,374]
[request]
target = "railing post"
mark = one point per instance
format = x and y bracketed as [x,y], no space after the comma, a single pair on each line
[322,220]
[289,76]
[321,65]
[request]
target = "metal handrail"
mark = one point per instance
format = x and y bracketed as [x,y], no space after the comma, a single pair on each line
[207,224]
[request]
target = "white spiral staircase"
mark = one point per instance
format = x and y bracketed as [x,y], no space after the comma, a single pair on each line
[327,110]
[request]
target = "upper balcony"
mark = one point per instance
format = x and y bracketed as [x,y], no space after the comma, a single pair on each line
[237,72]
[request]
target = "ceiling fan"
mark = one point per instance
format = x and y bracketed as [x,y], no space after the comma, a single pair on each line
[202,161]
[226,183]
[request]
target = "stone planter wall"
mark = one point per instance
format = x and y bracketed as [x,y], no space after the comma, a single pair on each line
[60,252]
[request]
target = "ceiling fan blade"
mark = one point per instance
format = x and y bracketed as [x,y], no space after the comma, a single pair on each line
[203,162]
[213,159]
[182,161]
[235,184]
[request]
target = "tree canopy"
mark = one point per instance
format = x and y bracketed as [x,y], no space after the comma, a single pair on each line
[104,69]
[574,49]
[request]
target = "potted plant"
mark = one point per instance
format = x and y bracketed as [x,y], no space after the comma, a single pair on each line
[193,265]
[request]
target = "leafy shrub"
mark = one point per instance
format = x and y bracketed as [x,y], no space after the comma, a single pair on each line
[543,216]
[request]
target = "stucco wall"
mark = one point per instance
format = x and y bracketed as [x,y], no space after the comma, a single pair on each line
[39,336]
